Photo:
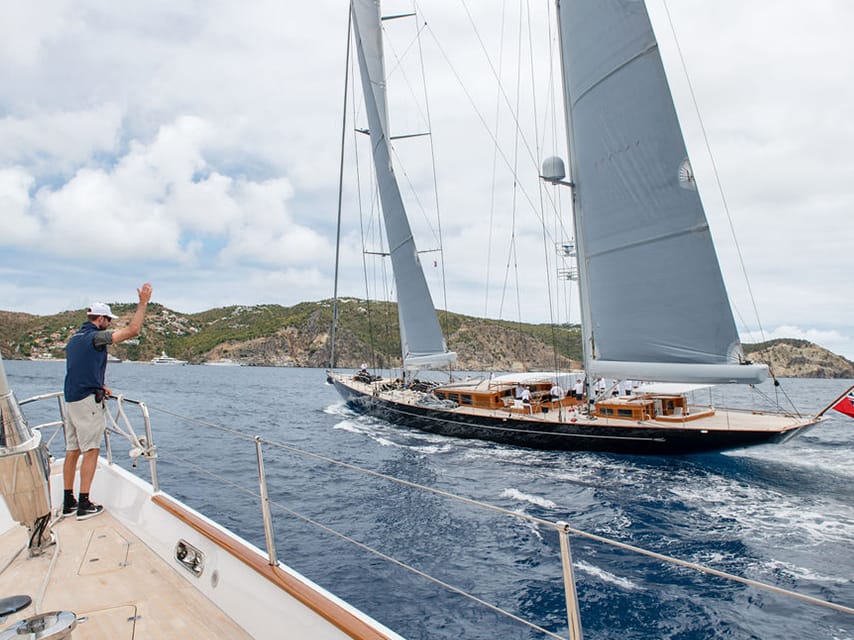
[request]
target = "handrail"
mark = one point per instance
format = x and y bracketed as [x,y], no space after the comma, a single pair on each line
[145,447]
[557,526]
[569,583]
[142,447]
[563,529]
[265,504]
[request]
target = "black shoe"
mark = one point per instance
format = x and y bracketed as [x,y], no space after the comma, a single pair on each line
[68,508]
[89,510]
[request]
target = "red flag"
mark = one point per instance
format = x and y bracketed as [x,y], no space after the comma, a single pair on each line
[846,405]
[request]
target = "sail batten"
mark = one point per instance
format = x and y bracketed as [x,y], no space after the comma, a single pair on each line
[651,48]
[420,334]
[703,228]
[652,288]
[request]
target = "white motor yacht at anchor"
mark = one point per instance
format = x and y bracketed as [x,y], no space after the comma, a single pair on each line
[164,359]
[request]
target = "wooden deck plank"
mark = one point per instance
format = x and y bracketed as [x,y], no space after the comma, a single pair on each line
[115,584]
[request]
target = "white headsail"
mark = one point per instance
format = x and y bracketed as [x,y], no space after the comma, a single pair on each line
[421,338]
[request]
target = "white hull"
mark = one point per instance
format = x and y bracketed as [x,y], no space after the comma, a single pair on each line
[164,359]
[133,544]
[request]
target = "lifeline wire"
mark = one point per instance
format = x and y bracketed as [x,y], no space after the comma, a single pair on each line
[546,523]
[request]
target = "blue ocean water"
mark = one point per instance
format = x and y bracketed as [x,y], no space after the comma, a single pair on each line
[779,514]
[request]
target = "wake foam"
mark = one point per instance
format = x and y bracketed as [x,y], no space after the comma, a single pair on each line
[515,494]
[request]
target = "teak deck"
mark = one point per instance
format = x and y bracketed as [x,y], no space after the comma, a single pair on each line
[495,400]
[118,588]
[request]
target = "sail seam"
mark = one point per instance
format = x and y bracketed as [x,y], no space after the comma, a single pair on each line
[700,228]
[401,244]
[612,72]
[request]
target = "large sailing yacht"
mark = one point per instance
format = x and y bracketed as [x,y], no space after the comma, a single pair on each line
[653,302]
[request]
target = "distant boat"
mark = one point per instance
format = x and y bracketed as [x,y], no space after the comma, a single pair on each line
[164,359]
[225,362]
[44,357]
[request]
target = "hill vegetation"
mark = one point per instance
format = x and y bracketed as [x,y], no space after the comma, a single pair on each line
[299,336]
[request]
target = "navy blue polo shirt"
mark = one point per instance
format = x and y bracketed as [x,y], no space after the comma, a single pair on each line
[86,361]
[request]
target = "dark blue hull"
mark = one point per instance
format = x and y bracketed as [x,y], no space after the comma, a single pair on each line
[584,435]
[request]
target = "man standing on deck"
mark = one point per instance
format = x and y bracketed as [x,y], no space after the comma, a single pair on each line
[85,366]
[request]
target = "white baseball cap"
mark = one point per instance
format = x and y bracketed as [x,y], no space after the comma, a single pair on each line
[100,309]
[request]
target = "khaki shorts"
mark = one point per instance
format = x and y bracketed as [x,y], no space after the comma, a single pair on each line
[86,424]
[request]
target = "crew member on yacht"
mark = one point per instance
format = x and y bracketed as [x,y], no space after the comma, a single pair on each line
[85,366]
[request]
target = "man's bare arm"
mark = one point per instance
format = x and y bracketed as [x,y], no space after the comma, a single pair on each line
[135,326]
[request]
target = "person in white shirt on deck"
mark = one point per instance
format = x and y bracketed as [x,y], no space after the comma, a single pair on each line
[579,390]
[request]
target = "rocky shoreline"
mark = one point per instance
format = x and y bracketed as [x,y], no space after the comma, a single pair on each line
[299,336]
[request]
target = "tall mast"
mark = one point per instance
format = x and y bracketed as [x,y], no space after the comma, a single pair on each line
[577,211]
[334,328]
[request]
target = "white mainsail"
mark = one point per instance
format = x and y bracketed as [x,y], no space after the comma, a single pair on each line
[654,304]
[421,338]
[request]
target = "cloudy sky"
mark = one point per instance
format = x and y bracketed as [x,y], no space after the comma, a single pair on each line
[196,145]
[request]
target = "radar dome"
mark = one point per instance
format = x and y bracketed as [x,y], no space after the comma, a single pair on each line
[553,169]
